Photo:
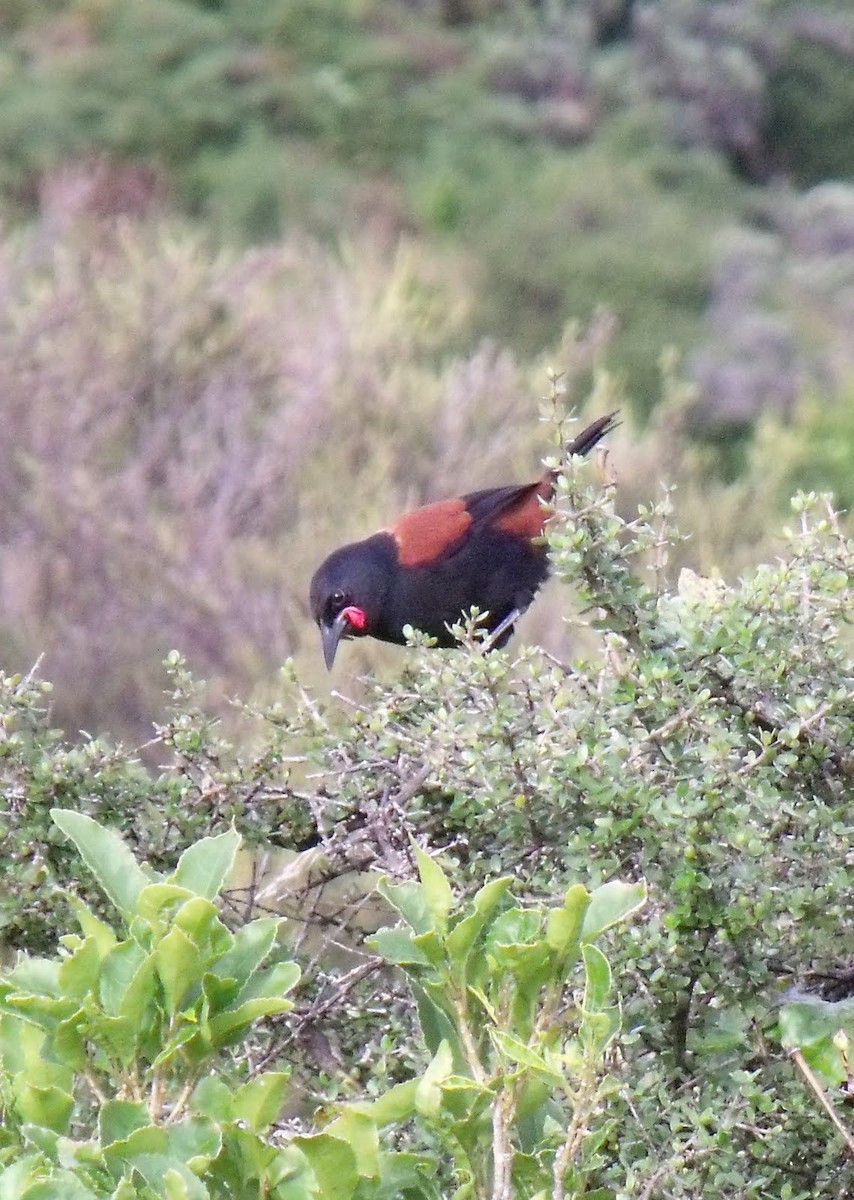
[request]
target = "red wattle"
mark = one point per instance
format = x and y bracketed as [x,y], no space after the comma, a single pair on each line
[355,616]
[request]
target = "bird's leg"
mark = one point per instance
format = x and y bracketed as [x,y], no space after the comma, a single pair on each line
[498,633]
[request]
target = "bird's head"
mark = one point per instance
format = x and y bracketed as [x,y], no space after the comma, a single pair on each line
[348,592]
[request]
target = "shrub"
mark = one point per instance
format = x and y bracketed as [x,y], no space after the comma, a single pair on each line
[704,746]
[114,1080]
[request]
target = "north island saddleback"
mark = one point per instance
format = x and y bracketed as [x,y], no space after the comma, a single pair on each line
[484,550]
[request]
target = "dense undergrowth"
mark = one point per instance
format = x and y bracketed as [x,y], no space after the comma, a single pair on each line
[704,747]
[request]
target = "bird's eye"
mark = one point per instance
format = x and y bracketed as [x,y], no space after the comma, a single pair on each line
[338,599]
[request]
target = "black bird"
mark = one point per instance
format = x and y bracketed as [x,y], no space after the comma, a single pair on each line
[482,550]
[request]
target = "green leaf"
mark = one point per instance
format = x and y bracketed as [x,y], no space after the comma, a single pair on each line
[398,946]
[464,934]
[118,1119]
[260,1101]
[564,925]
[598,974]
[252,943]
[275,982]
[118,971]
[49,1106]
[205,866]
[91,925]
[519,1052]
[195,1142]
[179,965]
[437,891]
[359,1131]
[394,1106]
[62,1185]
[333,1163]
[212,1097]
[609,904]
[157,902]
[428,1094]
[226,1025]
[106,856]
[78,974]
[199,919]
[39,976]
[410,901]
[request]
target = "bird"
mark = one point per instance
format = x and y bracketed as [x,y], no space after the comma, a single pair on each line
[483,550]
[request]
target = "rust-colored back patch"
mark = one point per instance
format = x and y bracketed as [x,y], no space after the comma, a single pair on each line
[526,516]
[426,533]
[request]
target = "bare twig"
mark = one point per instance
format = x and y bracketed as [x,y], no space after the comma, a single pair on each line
[820,1095]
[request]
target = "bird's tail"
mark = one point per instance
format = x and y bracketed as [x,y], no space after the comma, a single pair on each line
[592,435]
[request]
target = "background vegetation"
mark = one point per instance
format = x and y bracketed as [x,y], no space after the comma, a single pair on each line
[271,273]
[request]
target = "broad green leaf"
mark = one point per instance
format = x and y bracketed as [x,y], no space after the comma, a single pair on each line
[598,974]
[432,946]
[39,976]
[212,1097]
[436,1024]
[49,1106]
[78,974]
[437,891]
[410,901]
[92,926]
[811,1026]
[46,1140]
[359,1131]
[563,925]
[252,943]
[396,1105]
[428,1094]
[273,983]
[141,1143]
[62,1185]
[219,994]
[465,933]
[118,971]
[514,926]
[196,1142]
[410,1175]
[333,1163]
[106,856]
[179,965]
[259,1102]
[158,902]
[805,1021]
[609,904]
[205,866]
[199,919]
[46,1012]
[398,946]
[168,1178]
[180,1040]
[68,1042]
[517,1051]
[118,1119]
[225,1026]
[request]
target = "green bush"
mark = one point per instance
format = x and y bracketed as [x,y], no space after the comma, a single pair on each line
[114,1078]
[703,746]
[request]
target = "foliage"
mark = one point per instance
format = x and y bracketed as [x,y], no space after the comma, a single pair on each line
[703,744]
[517,1096]
[708,751]
[114,1081]
[810,105]
[112,1052]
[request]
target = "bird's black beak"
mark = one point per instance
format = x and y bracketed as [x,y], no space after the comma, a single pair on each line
[331,635]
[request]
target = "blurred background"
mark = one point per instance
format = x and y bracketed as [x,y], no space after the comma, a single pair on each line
[271,272]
